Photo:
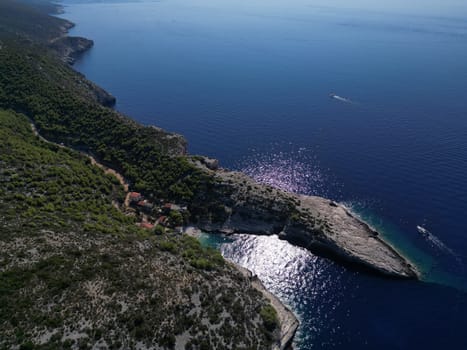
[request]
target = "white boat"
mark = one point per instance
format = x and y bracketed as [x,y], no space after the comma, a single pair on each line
[422,230]
[339,98]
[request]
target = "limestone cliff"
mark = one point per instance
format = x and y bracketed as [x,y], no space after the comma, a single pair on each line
[324,227]
[71,47]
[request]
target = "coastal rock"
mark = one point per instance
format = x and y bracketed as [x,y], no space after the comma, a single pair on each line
[324,227]
[331,230]
[287,320]
[174,144]
[102,96]
[210,163]
[96,93]
[69,48]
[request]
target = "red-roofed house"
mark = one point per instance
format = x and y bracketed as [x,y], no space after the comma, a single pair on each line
[162,220]
[146,225]
[135,196]
[145,204]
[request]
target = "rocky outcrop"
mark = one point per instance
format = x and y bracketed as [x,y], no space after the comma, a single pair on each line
[70,48]
[288,323]
[324,227]
[100,95]
[210,163]
[330,229]
[173,144]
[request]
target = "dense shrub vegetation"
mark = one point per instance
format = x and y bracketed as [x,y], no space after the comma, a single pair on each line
[75,271]
[53,187]
[34,81]
[150,159]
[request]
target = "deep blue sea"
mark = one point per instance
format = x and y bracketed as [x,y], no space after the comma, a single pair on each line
[249,83]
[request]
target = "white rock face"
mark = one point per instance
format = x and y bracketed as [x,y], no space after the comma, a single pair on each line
[324,227]
[349,238]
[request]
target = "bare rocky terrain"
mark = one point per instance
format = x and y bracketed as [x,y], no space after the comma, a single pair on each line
[321,225]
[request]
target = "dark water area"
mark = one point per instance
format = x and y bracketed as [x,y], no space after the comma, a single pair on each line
[249,83]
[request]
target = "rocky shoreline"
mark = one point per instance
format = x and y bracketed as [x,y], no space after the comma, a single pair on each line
[320,225]
[69,49]
[287,319]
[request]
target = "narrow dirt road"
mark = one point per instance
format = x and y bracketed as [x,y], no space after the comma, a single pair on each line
[106,170]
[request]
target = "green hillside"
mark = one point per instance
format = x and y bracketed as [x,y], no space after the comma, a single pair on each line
[75,269]
[65,109]
[75,272]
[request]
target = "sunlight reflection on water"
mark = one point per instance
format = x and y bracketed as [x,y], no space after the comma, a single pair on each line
[313,287]
[296,171]
[308,284]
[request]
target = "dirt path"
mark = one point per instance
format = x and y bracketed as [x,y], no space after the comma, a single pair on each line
[119,177]
[106,170]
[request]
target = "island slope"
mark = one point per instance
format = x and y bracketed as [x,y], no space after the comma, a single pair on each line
[155,163]
[75,272]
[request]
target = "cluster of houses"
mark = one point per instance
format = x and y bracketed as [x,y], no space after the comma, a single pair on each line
[151,214]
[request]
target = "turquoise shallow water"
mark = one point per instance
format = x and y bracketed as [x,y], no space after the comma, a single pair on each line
[249,84]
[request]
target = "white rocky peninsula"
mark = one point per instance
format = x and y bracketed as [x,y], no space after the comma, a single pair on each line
[323,226]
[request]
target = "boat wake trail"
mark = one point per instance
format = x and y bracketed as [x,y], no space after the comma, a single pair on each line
[343,99]
[340,98]
[436,242]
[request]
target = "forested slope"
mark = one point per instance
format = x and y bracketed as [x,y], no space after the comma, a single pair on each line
[77,272]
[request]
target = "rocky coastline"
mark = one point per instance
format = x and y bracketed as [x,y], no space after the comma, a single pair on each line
[287,319]
[320,225]
[69,49]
